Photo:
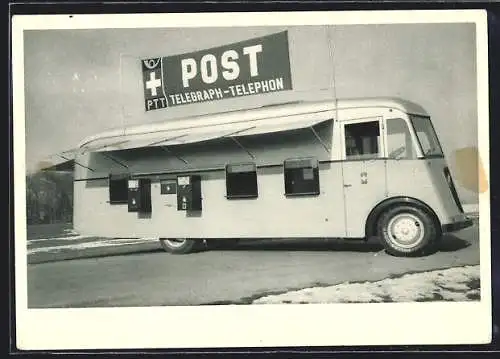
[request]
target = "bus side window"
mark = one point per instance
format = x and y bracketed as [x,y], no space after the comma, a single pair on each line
[118,189]
[362,140]
[301,176]
[241,180]
[399,141]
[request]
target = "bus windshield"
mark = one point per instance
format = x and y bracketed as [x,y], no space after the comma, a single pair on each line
[426,135]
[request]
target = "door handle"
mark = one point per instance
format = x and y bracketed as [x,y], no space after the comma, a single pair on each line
[347,185]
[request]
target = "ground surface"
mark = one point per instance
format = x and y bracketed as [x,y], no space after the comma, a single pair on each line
[147,276]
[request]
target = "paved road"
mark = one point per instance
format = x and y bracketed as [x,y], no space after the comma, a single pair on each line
[236,275]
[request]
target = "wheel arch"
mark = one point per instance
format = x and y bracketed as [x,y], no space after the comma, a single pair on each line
[373,217]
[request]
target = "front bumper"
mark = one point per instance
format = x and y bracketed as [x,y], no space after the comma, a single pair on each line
[456,226]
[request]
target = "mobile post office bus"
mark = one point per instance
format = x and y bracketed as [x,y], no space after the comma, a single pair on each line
[353,168]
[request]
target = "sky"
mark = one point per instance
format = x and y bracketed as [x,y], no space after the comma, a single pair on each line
[82,82]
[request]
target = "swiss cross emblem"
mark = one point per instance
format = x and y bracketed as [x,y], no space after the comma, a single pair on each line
[152,76]
[153,83]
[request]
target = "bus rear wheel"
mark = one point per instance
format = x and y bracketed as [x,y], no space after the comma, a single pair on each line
[408,231]
[178,245]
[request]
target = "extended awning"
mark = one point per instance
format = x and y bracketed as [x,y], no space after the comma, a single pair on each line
[172,138]
[273,127]
[63,161]
[196,135]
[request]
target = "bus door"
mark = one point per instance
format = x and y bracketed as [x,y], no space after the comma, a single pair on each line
[363,170]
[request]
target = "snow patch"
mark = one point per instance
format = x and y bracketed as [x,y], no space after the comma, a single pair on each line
[68,238]
[93,244]
[454,284]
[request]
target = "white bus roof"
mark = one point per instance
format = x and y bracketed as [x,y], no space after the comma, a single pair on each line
[263,120]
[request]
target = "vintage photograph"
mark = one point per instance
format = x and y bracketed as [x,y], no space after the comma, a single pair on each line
[252,165]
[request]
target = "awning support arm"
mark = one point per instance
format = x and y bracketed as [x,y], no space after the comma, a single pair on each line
[166,139]
[231,135]
[114,160]
[175,155]
[76,163]
[327,149]
[239,131]
[243,147]
[109,145]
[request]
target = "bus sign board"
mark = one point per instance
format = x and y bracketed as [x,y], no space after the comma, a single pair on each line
[256,66]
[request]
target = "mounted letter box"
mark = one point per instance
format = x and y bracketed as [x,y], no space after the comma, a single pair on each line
[139,195]
[189,193]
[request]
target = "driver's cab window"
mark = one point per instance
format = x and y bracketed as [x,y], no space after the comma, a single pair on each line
[362,140]
[399,140]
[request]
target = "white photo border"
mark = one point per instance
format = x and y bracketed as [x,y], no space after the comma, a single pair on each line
[254,325]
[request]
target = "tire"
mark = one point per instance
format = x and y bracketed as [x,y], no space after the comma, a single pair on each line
[408,231]
[179,245]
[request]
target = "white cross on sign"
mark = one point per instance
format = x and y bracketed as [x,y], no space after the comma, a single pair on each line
[153,83]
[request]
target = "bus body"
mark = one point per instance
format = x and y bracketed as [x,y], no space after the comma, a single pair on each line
[356,168]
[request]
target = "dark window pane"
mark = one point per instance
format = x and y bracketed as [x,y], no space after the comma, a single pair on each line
[362,140]
[118,190]
[241,181]
[301,177]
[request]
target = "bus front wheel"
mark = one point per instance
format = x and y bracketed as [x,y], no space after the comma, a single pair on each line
[178,245]
[407,231]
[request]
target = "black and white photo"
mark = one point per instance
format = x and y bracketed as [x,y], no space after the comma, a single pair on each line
[244,177]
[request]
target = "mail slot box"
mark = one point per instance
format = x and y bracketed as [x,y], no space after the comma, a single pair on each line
[139,195]
[189,193]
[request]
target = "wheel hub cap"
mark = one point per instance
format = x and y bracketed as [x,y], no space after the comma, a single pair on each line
[406,230]
[175,242]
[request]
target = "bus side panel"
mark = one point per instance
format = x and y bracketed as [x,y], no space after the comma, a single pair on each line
[436,168]
[364,187]
[270,215]
[94,215]
[412,178]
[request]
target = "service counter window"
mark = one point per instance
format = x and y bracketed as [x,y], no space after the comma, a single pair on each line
[118,189]
[301,177]
[241,180]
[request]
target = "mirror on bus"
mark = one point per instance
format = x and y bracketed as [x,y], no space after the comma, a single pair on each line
[362,140]
[399,140]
